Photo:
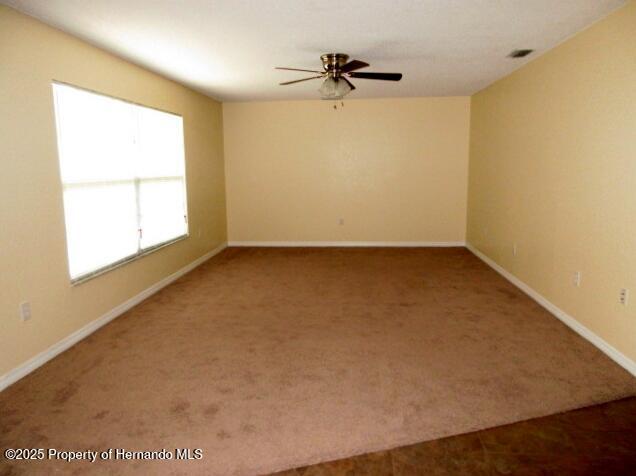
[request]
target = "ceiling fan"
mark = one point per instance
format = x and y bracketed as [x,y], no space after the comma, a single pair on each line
[336,70]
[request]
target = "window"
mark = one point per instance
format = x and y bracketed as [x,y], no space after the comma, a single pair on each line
[123,175]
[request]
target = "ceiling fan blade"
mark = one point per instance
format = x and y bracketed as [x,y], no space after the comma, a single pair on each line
[353,65]
[296,69]
[383,76]
[300,80]
[348,82]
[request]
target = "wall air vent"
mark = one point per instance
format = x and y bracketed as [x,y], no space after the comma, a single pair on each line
[519,53]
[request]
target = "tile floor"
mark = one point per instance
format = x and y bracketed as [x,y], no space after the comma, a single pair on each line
[597,440]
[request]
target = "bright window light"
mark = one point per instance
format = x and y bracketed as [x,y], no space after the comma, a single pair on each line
[123,174]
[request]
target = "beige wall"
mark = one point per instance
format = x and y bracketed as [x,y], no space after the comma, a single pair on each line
[393,169]
[33,263]
[553,169]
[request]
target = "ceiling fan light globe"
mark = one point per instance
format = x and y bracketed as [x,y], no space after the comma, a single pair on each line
[333,88]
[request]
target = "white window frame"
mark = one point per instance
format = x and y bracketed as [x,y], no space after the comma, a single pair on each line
[141,252]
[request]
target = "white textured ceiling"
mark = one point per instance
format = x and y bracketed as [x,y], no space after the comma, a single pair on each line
[227,49]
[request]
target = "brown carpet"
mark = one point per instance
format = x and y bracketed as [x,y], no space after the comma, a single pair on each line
[269,359]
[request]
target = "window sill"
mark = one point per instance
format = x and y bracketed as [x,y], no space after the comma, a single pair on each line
[105,269]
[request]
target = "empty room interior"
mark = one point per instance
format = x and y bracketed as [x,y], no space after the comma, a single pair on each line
[318,238]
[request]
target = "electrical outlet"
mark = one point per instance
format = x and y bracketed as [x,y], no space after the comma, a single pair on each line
[514,249]
[577,279]
[623,296]
[25,311]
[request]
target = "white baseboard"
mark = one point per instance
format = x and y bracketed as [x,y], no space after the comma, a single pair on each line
[349,244]
[613,353]
[30,365]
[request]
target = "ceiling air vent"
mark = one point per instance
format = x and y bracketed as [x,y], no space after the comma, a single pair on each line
[520,53]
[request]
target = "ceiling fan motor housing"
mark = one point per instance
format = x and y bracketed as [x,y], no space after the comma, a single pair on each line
[332,62]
